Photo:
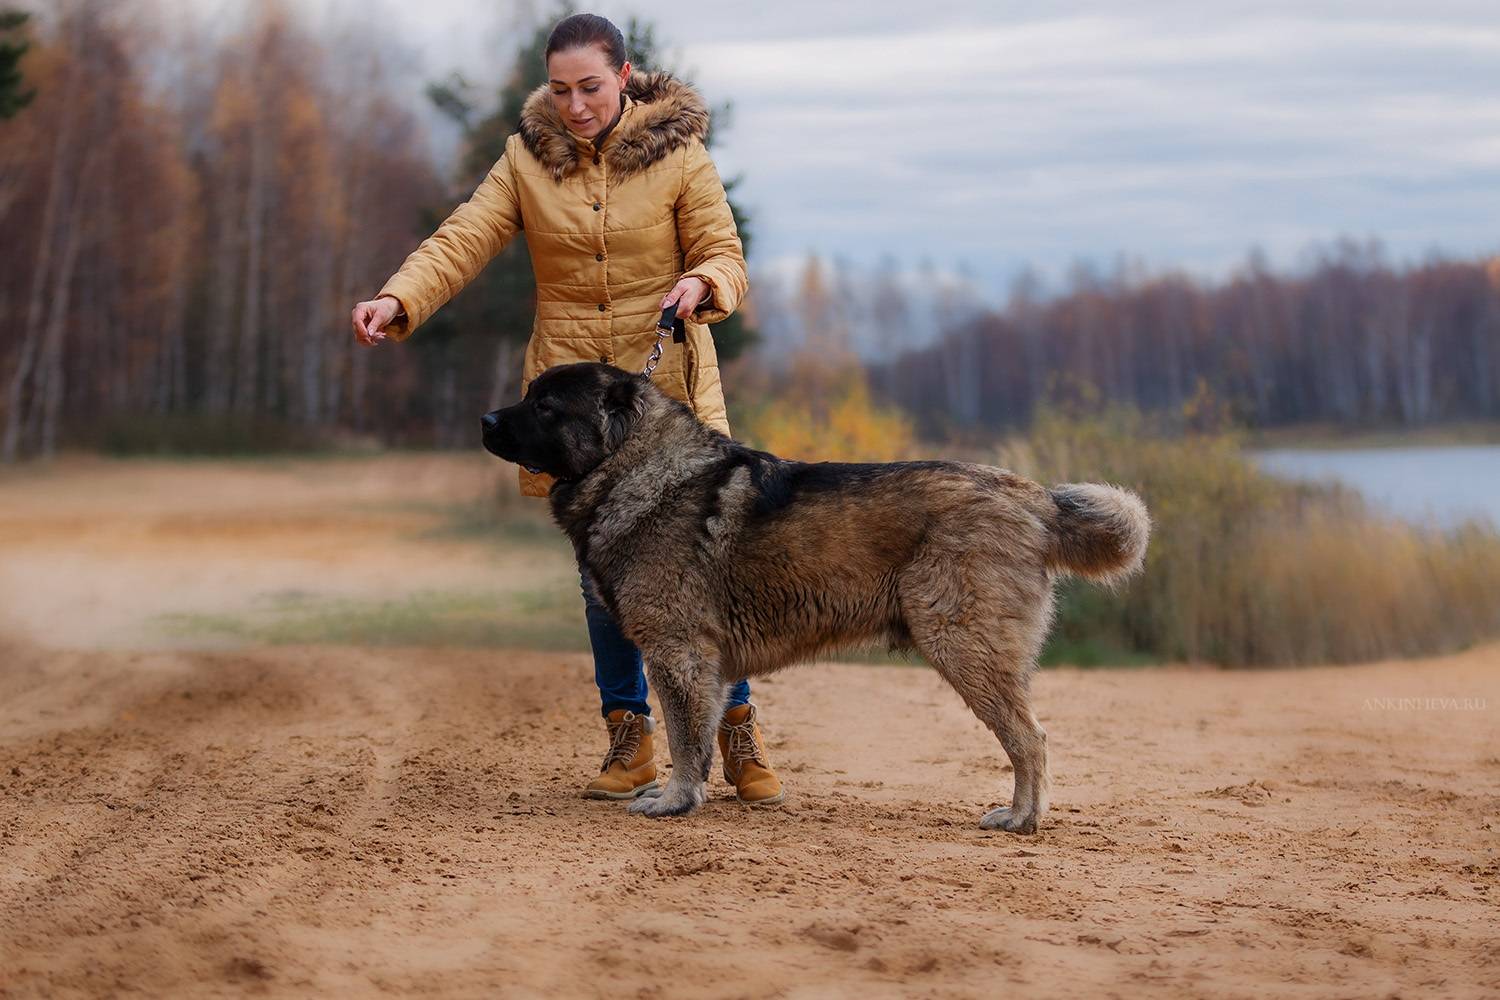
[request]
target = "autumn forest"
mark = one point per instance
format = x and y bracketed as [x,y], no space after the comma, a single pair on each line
[185,226]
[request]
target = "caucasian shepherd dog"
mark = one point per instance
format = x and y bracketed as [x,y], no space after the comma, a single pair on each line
[722,562]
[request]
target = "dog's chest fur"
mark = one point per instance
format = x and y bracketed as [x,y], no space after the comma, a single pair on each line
[642,501]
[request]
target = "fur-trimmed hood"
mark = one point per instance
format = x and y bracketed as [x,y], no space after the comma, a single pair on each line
[661,113]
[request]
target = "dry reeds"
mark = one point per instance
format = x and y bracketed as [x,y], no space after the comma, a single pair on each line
[1246,569]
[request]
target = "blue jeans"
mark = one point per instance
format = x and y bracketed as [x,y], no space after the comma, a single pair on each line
[617,661]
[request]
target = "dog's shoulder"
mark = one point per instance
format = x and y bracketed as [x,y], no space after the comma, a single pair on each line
[762,473]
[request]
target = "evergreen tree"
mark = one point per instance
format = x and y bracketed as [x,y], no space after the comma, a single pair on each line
[12,100]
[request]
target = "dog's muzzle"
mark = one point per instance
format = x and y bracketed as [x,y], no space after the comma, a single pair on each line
[496,442]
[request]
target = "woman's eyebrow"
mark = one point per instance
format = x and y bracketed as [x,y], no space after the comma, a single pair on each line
[584,80]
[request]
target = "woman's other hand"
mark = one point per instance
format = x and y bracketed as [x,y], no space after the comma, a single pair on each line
[688,294]
[370,318]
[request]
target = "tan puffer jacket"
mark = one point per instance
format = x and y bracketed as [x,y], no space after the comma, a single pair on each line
[610,232]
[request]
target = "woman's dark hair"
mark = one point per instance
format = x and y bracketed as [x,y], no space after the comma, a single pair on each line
[582,30]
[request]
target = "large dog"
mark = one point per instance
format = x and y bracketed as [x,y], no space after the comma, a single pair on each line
[722,562]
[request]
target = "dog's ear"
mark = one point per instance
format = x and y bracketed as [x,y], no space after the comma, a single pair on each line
[624,405]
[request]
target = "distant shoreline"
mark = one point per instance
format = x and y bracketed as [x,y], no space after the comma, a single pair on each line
[1318,437]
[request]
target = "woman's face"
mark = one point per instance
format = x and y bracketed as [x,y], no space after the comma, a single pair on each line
[585,89]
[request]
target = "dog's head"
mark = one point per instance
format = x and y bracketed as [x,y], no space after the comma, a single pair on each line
[572,418]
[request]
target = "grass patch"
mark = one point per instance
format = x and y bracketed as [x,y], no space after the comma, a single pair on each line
[545,618]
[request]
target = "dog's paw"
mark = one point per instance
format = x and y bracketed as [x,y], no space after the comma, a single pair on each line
[671,802]
[1009,821]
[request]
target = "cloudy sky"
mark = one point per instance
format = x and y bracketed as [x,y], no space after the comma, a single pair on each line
[992,134]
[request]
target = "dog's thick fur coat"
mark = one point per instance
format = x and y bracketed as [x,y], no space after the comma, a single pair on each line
[722,562]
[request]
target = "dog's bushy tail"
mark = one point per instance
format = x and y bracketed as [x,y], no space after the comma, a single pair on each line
[1099,533]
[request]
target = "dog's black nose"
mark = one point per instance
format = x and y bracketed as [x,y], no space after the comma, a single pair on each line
[489,422]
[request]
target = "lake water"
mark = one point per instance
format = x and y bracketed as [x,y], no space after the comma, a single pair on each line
[1441,485]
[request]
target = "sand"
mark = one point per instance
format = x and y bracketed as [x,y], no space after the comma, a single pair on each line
[250,820]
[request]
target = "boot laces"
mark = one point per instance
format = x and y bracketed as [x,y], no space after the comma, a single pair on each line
[743,747]
[624,741]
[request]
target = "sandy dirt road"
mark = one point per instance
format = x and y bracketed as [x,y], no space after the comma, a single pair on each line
[334,820]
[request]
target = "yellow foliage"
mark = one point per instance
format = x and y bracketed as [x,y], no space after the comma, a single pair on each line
[823,412]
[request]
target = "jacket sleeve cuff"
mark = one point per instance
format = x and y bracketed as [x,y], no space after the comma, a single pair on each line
[403,292]
[711,309]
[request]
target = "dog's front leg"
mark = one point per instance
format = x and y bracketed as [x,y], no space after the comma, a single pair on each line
[692,699]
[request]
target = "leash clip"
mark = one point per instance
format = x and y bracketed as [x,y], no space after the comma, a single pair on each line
[668,323]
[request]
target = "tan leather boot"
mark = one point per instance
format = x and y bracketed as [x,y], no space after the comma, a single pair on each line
[629,767]
[746,766]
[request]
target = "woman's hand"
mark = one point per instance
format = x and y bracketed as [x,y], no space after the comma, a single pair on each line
[370,318]
[688,294]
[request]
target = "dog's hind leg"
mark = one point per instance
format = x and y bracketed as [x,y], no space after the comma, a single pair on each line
[1009,716]
[988,654]
[692,700]
[999,695]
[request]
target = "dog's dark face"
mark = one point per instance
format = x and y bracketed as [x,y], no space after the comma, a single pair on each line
[571,419]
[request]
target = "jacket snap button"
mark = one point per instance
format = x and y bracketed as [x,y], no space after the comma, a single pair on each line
[604,358]
[601,307]
[597,206]
[598,256]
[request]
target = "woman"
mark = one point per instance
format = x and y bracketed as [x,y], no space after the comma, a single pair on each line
[624,215]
